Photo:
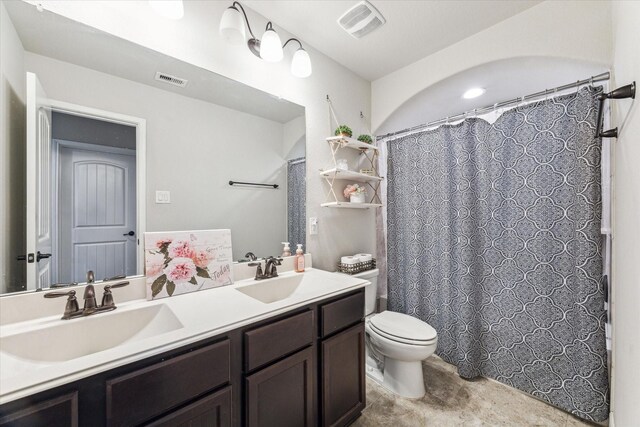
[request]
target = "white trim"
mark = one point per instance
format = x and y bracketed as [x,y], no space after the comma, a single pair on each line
[141,155]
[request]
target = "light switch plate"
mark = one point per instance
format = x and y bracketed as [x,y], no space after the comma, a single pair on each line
[313,225]
[163,196]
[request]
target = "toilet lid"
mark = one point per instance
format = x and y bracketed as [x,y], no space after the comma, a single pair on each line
[403,326]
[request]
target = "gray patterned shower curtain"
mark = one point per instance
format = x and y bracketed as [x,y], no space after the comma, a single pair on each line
[296,202]
[494,240]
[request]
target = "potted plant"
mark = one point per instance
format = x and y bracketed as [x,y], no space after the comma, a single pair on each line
[355,193]
[366,139]
[344,131]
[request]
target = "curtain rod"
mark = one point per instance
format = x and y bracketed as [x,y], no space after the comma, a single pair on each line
[591,80]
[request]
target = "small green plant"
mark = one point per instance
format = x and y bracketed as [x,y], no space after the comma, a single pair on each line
[344,130]
[365,138]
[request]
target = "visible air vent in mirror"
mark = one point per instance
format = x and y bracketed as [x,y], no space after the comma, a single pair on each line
[361,19]
[172,80]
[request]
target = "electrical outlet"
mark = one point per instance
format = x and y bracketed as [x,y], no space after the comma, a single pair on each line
[313,225]
[163,196]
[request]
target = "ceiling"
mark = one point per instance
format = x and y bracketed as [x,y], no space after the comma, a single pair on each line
[57,37]
[504,80]
[414,29]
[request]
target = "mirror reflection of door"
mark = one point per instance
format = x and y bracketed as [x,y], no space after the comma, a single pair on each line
[38,168]
[95,215]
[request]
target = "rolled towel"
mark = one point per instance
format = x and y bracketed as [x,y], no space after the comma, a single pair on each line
[364,257]
[348,260]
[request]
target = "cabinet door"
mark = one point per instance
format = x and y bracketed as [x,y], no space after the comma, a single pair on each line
[211,411]
[282,394]
[61,411]
[343,377]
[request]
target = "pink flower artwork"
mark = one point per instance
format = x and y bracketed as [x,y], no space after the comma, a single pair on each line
[187,261]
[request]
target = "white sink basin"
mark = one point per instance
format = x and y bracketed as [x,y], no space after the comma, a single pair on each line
[272,290]
[70,339]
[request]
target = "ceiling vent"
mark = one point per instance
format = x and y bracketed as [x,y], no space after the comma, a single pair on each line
[361,19]
[172,80]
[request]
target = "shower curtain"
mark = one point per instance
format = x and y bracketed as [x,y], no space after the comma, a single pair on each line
[296,201]
[494,240]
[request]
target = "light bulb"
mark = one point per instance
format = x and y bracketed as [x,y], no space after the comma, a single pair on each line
[271,46]
[474,93]
[301,64]
[171,9]
[232,26]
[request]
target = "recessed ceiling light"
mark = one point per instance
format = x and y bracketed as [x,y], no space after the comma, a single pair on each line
[474,93]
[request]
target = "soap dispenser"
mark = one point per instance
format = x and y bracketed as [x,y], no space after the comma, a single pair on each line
[299,261]
[287,250]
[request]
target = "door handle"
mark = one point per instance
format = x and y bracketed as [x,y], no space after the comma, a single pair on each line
[131,233]
[40,256]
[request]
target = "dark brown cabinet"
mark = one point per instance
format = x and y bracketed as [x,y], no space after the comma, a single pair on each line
[211,411]
[56,412]
[146,393]
[343,377]
[302,368]
[282,394]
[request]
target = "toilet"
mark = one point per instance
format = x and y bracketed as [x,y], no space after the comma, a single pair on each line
[396,345]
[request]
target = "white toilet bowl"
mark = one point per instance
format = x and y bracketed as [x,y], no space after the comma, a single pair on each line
[396,345]
[405,342]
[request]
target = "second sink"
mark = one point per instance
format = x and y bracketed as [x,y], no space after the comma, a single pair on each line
[272,290]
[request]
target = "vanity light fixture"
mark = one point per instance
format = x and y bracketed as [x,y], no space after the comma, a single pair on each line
[474,93]
[171,9]
[270,48]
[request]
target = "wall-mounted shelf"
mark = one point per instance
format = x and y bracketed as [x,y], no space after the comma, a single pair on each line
[345,142]
[349,205]
[349,175]
[370,152]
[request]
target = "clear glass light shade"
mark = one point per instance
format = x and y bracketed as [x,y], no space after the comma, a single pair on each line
[301,64]
[271,46]
[232,26]
[171,9]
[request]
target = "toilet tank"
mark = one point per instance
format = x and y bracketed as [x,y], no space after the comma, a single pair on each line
[370,291]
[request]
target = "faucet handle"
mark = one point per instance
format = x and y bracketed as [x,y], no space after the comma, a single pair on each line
[58,294]
[72,302]
[107,298]
[90,277]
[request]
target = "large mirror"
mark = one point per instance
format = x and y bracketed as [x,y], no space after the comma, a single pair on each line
[104,139]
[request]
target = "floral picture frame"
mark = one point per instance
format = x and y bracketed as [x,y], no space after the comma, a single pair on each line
[179,262]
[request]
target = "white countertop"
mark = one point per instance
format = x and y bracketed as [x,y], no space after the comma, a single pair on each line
[202,314]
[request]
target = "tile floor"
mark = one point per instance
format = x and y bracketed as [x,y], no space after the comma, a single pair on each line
[452,401]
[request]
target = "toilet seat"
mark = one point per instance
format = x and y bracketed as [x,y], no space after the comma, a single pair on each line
[403,328]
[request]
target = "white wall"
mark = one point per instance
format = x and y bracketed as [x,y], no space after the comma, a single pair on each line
[626,226]
[578,30]
[12,155]
[195,39]
[193,149]
[294,138]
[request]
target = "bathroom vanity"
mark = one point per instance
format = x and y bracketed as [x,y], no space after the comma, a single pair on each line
[297,361]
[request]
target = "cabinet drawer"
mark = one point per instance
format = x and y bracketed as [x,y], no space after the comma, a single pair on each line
[211,411]
[140,395]
[58,412]
[339,314]
[272,341]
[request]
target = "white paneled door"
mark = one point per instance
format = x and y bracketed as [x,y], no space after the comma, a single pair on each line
[38,206]
[96,213]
